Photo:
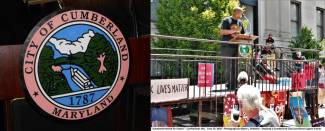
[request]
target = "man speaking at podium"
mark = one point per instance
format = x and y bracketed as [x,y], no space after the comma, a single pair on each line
[231,26]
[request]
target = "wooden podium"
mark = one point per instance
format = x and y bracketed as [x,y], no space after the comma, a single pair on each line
[244,50]
[132,106]
[10,81]
[9,72]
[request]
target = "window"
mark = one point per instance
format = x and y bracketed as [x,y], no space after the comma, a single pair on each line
[320,24]
[295,18]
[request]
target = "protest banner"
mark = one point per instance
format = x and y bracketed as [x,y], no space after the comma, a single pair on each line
[298,111]
[205,74]
[298,81]
[164,90]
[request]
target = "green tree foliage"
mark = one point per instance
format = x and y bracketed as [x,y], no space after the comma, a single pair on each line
[191,18]
[306,40]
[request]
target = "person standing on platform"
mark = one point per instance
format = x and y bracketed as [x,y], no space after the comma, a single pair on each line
[231,26]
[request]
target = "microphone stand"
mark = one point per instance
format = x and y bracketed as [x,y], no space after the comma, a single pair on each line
[254,48]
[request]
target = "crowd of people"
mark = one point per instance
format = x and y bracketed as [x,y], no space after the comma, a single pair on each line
[250,104]
[249,97]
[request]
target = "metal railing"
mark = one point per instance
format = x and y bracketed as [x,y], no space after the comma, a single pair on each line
[267,74]
[180,38]
[264,73]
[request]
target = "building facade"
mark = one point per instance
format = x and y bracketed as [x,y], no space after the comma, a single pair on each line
[281,18]
[284,18]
